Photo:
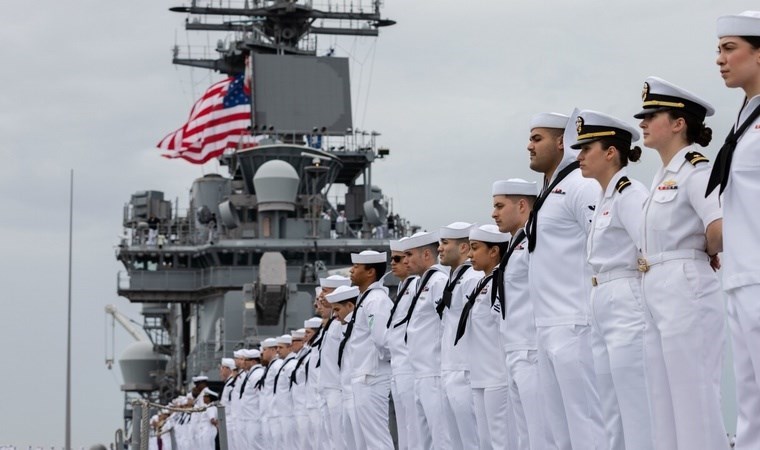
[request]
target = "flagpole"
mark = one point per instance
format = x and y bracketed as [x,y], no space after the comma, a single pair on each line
[68,337]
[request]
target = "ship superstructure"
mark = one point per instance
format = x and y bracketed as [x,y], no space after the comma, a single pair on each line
[242,262]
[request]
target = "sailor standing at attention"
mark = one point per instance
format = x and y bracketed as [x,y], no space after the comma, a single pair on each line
[617,315]
[233,405]
[478,335]
[558,277]
[680,240]
[737,170]
[458,406]
[250,399]
[370,359]
[297,410]
[329,373]
[423,336]
[242,417]
[282,402]
[269,426]
[343,301]
[402,376]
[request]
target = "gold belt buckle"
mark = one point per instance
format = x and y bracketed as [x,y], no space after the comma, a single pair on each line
[594,282]
[643,266]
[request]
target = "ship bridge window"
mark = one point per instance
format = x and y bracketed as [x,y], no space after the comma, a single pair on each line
[226,259]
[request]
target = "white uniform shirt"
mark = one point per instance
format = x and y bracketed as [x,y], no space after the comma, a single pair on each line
[741,222]
[455,358]
[518,329]
[267,394]
[226,397]
[345,367]
[677,213]
[282,403]
[483,342]
[250,402]
[559,274]
[236,407]
[614,236]
[424,328]
[369,355]
[299,387]
[394,336]
[312,383]
[329,372]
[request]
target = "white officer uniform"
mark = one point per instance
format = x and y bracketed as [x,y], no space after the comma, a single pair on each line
[518,333]
[458,404]
[250,403]
[684,334]
[370,359]
[488,363]
[402,376]
[423,330]
[741,253]
[329,375]
[617,315]
[557,277]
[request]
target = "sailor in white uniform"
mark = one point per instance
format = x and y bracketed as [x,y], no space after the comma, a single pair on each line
[478,335]
[737,170]
[303,387]
[269,427]
[370,359]
[558,273]
[329,372]
[206,422]
[343,300]
[250,400]
[458,406]
[402,376]
[423,335]
[617,315]
[282,402]
[512,203]
[682,231]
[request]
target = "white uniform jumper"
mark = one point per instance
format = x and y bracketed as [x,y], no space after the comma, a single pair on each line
[249,420]
[617,314]
[558,279]
[402,376]
[684,335]
[298,387]
[237,431]
[226,401]
[282,403]
[480,322]
[350,430]
[741,275]
[458,404]
[330,387]
[270,426]
[423,330]
[314,401]
[371,367]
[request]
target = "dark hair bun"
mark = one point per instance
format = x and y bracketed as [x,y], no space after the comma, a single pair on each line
[705,136]
[634,154]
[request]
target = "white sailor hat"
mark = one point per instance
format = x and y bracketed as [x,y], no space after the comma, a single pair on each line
[400,245]
[317,291]
[660,95]
[548,120]
[342,294]
[456,230]
[744,24]
[421,238]
[369,257]
[285,339]
[488,233]
[238,354]
[593,125]
[515,186]
[314,322]
[200,379]
[228,362]
[298,334]
[334,281]
[251,353]
[209,392]
[269,343]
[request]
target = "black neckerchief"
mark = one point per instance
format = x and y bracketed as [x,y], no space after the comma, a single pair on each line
[420,288]
[497,288]
[277,377]
[321,340]
[260,383]
[531,227]
[242,387]
[462,326]
[231,384]
[448,291]
[350,327]
[400,294]
[722,168]
[298,364]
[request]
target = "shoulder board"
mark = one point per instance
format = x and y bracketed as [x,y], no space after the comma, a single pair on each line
[695,158]
[622,183]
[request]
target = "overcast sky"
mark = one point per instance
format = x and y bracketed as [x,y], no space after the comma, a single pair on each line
[88,85]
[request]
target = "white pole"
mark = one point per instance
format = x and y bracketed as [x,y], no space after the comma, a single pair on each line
[68,330]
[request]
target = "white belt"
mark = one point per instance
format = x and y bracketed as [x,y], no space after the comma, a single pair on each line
[652,260]
[610,275]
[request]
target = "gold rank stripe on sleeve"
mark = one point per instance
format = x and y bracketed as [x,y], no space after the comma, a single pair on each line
[695,158]
[622,183]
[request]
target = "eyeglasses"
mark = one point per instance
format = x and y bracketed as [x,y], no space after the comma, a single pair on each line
[397,258]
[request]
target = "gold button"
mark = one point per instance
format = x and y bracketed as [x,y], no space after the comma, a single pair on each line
[594,282]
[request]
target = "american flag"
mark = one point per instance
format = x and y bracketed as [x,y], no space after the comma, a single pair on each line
[217,121]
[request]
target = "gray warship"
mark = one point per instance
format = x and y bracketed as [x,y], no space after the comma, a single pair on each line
[243,262]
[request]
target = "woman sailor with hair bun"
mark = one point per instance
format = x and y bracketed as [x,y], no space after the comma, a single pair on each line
[737,171]
[617,316]
[679,243]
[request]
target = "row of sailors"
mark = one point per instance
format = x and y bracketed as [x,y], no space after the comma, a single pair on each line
[588,317]
[191,418]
